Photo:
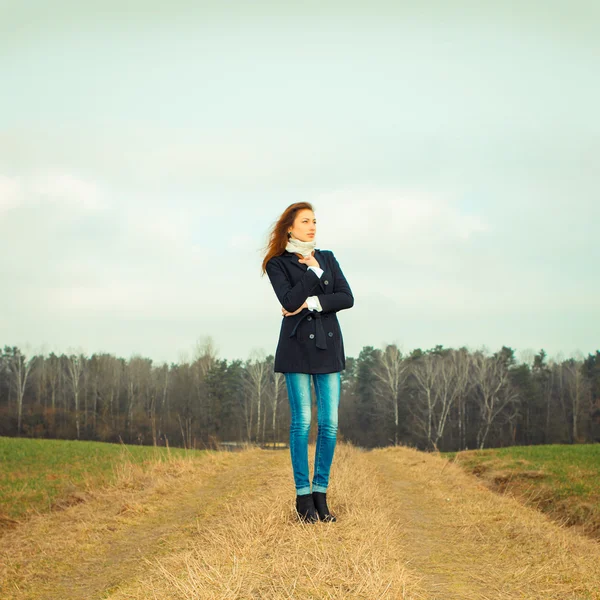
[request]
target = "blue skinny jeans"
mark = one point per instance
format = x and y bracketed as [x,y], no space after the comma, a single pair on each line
[327,390]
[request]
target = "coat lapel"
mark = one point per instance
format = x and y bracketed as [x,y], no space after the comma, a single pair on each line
[294,259]
[321,260]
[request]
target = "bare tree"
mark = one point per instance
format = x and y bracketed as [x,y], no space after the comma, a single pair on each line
[464,383]
[185,403]
[275,393]
[390,373]
[425,372]
[452,383]
[138,380]
[256,384]
[494,391]
[75,365]
[19,368]
[205,354]
[577,391]
[165,373]
[205,358]
[54,383]
[115,373]
[54,374]
[41,380]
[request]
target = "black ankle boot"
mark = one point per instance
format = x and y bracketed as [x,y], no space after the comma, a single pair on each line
[320,500]
[305,508]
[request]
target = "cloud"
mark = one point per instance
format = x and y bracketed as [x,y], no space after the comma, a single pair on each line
[241,241]
[82,250]
[413,225]
[140,298]
[55,188]
[10,192]
[68,189]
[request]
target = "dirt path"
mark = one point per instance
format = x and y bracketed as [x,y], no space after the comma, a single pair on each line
[468,542]
[410,525]
[92,548]
[165,525]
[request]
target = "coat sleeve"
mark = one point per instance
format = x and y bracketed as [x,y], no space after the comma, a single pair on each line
[291,298]
[342,294]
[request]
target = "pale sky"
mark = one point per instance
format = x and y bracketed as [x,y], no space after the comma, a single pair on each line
[451,150]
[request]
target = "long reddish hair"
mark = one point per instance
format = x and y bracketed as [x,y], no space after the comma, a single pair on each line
[278,237]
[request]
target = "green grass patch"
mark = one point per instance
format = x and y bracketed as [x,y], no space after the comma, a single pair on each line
[562,480]
[36,473]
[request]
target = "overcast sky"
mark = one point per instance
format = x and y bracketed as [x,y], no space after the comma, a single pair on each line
[452,153]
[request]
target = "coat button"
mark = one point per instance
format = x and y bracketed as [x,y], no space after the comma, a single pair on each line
[311,336]
[326,282]
[330,334]
[309,318]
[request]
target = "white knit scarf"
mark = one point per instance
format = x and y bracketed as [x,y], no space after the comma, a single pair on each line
[304,248]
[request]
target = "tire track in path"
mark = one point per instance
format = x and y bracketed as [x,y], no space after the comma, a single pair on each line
[89,549]
[411,526]
[467,542]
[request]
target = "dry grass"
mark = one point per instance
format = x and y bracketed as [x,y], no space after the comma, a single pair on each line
[257,548]
[561,480]
[39,556]
[481,545]
[410,526]
[41,475]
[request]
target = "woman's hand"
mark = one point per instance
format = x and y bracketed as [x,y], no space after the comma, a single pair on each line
[309,261]
[287,313]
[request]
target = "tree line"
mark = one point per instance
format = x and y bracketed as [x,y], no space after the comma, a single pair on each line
[441,399]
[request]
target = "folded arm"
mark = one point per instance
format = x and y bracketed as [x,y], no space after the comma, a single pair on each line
[341,297]
[291,298]
[312,302]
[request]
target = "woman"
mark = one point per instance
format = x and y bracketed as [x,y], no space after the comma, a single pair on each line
[311,289]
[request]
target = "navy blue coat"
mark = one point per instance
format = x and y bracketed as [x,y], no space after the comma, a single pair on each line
[310,341]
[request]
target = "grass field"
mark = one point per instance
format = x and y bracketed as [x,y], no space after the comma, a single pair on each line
[37,475]
[561,480]
[222,525]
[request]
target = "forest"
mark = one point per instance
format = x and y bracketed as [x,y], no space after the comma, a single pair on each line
[441,399]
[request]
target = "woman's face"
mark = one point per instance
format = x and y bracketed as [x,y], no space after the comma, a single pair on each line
[305,225]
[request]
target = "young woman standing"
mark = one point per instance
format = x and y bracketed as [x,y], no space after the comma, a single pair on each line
[311,288]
